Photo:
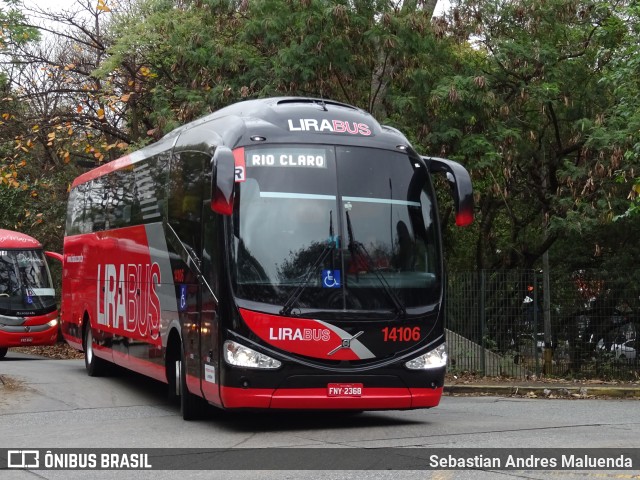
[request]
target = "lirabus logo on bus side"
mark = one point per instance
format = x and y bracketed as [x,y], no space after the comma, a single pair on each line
[127,298]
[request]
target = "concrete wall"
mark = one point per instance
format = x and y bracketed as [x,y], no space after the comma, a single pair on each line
[465,355]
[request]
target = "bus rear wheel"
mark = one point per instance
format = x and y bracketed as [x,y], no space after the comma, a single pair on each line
[96,367]
[3,352]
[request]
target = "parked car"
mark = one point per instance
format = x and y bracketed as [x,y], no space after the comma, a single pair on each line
[626,350]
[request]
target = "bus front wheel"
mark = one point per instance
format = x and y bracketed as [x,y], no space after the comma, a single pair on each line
[191,406]
[173,364]
[3,352]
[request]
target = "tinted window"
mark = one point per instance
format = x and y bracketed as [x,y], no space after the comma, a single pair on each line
[134,195]
[186,187]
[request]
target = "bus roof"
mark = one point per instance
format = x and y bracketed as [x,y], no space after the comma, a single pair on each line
[11,239]
[287,119]
[275,109]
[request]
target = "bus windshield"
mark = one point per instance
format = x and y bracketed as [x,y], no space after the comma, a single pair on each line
[331,228]
[25,283]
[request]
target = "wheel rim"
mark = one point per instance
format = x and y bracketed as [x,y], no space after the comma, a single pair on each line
[88,349]
[178,373]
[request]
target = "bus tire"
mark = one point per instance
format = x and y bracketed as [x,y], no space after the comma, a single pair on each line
[172,368]
[3,352]
[191,406]
[96,367]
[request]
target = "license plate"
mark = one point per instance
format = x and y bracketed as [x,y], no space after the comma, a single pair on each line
[26,340]
[345,389]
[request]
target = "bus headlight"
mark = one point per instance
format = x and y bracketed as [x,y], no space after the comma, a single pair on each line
[435,358]
[53,323]
[241,356]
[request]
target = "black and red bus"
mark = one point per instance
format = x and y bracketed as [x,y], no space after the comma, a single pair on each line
[282,253]
[28,306]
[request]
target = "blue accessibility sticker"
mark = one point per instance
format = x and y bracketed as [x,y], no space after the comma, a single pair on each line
[182,306]
[331,279]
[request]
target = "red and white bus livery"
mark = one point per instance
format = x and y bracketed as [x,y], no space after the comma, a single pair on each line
[282,253]
[28,308]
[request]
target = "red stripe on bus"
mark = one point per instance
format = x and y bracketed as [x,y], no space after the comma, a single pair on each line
[425,397]
[40,319]
[28,339]
[103,170]
[74,342]
[139,365]
[232,397]
[379,398]
[303,336]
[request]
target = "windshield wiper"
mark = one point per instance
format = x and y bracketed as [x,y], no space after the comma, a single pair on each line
[328,248]
[358,247]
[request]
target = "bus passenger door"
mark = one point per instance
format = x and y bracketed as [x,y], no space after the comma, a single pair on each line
[209,307]
[184,208]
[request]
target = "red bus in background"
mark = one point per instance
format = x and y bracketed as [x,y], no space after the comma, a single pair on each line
[281,253]
[28,309]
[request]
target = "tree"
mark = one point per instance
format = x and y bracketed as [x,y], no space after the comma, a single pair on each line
[12,35]
[205,55]
[524,122]
[57,115]
[618,131]
[72,113]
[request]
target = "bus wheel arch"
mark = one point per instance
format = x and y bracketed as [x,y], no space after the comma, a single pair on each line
[95,366]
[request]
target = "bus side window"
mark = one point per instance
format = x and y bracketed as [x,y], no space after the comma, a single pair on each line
[110,200]
[147,198]
[75,217]
[186,187]
[95,200]
[118,189]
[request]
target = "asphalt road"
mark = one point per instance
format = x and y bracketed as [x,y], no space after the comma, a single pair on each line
[54,404]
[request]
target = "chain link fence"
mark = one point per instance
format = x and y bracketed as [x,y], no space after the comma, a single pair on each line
[503,323]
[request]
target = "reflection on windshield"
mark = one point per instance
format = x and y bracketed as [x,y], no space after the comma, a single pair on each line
[284,223]
[285,233]
[24,280]
[309,274]
[364,261]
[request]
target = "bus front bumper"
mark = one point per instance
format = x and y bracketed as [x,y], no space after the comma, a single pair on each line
[371,398]
[28,335]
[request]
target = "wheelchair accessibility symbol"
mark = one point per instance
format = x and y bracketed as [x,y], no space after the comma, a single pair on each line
[183,298]
[331,279]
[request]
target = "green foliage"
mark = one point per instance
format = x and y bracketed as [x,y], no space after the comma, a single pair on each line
[38,207]
[13,31]
[544,161]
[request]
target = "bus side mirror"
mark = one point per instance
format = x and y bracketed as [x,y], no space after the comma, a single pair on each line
[461,187]
[222,181]
[53,255]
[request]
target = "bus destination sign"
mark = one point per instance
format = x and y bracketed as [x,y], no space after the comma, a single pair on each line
[283,156]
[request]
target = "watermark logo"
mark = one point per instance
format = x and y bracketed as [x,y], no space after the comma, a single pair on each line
[23,459]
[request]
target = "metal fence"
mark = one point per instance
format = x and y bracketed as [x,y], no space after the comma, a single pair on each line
[500,323]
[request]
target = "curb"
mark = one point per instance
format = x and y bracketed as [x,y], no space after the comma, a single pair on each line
[546,391]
